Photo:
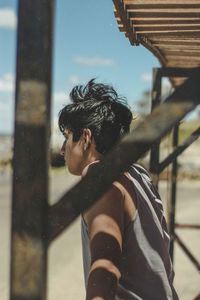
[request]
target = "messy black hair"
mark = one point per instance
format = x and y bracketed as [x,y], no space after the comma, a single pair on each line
[98,107]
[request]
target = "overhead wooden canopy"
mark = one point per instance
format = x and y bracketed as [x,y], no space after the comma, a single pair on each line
[168,28]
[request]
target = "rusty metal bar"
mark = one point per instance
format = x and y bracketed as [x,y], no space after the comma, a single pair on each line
[179,72]
[187,251]
[155,149]
[156,125]
[31,148]
[168,160]
[172,212]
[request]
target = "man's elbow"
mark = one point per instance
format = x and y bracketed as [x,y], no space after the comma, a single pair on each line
[108,266]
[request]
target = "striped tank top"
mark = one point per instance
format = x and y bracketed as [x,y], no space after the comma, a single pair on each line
[146,269]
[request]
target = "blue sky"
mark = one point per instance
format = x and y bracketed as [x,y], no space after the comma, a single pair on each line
[87,44]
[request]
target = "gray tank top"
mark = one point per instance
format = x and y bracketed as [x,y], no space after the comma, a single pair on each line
[146,269]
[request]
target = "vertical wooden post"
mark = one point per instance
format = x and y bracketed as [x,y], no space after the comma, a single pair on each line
[31,148]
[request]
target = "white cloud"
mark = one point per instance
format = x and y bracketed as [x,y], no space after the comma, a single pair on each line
[7,83]
[8,18]
[61,98]
[94,61]
[74,79]
[146,77]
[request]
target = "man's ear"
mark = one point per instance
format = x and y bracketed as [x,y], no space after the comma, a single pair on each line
[87,136]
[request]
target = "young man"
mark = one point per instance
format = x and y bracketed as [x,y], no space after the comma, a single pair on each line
[124,234]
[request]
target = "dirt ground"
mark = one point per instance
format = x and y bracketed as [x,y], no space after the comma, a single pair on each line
[65,273]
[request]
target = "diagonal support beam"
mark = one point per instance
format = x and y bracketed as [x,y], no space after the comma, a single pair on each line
[168,160]
[128,151]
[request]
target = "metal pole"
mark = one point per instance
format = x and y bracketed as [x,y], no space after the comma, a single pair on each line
[155,149]
[32,131]
[173,193]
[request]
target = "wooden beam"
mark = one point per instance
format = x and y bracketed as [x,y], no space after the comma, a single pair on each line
[183,58]
[161,6]
[165,21]
[159,2]
[181,53]
[174,11]
[172,25]
[125,21]
[166,28]
[179,72]
[164,14]
[176,46]
[185,34]
[31,150]
[182,64]
[176,40]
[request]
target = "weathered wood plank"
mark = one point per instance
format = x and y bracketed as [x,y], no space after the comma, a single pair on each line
[31,150]
[185,34]
[162,6]
[164,14]
[136,2]
[165,21]
[181,52]
[168,28]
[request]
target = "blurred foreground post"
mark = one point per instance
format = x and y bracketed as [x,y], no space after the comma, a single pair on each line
[31,150]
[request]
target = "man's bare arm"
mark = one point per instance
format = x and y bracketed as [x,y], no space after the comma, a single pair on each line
[105,222]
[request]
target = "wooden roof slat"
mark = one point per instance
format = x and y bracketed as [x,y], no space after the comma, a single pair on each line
[182,53]
[179,10]
[162,6]
[178,47]
[170,20]
[163,26]
[121,12]
[166,34]
[170,29]
[182,58]
[128,2]
[179,64]
[176,40]
[164,14]
[146,29]
[165,22]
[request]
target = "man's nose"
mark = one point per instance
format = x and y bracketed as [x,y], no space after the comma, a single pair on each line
[62,150]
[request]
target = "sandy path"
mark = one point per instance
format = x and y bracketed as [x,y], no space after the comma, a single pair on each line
[65,274]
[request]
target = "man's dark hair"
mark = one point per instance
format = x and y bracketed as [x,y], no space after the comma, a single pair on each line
[99,108]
